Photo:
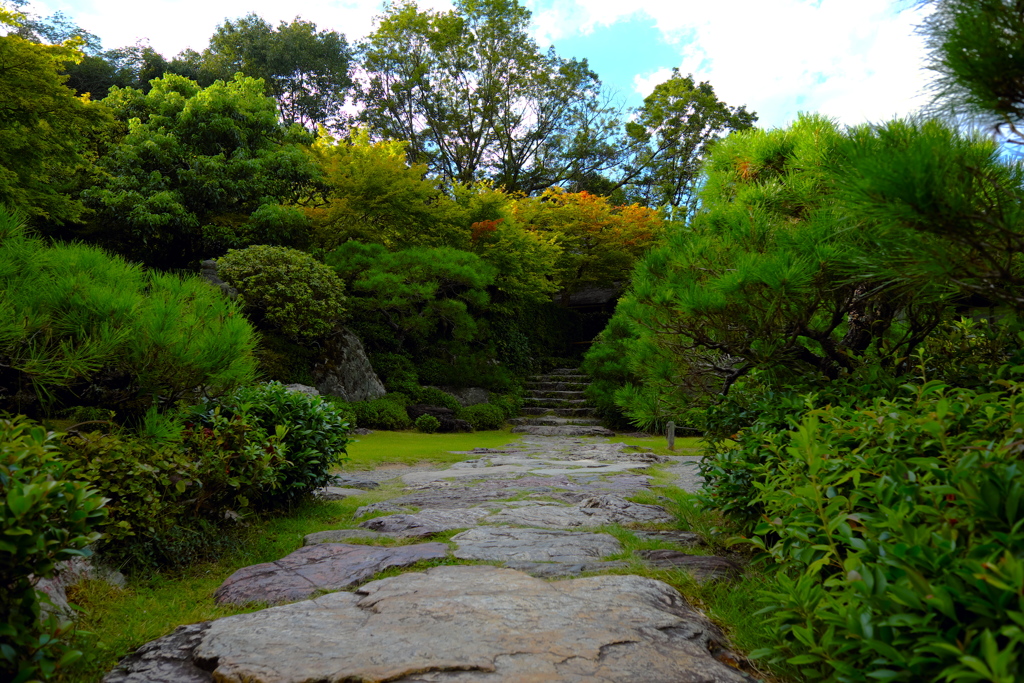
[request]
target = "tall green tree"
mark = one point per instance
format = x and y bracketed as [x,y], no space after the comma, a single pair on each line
[975,54]
[477,99]
[46,132]
[306,71]
[199,171]
[669,138]
[772,275]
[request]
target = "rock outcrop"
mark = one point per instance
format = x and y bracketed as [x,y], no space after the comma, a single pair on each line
[344,370]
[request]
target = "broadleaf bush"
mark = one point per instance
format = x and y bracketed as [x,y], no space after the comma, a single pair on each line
[897,530]
[46,515]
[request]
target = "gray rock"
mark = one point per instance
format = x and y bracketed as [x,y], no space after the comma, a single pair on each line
[591,512]
[702,567]
[344,370]
[67,574]
[355,482]
[208,270]
[551,570]
[458,624]
[426,522]
[337,493]
[533,545]
[686,539]
[326,566]
[167,660]
[302,389]
[340,536]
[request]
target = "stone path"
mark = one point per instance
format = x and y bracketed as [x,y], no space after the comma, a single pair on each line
[536,511]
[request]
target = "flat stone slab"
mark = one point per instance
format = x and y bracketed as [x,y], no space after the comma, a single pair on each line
[533,545]
[451,624]
[340,536]
[684,538]
[325,566]
[508,471]
[592,512]
[551,570]
[337,493]
[593,470]
[702,567]
[426,522]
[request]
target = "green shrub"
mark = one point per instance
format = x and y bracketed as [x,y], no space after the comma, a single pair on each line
[344,410]
[428,424]
[382,413]
[897,527]
[81,327]
[167,498]
[286,288]
[483,416]
[511,405]
[313,432]
[45,516]
[432,396]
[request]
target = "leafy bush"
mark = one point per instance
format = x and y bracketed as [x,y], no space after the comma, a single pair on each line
[80,327]
[432,396]
[45,516]
[428,424]
[166,498]
[286,288]
[511,405]
[313,432]
[382,413]
[896,526]
[483,416]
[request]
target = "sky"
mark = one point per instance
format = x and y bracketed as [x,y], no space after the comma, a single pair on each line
[854,60]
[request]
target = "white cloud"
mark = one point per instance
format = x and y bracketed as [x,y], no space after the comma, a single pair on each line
[855,61]
[173,25]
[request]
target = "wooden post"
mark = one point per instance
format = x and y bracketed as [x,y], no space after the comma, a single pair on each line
[670,434]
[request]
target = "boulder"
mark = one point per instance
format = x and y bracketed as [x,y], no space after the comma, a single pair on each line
[452,624]
[68,573]
[343,369]
[303,389]
[208,270]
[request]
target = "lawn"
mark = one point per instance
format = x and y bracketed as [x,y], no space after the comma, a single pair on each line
[410,448]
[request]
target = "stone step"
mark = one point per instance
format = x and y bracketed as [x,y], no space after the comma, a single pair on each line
[556,386]
[565,430]
[556,421]
[555,402]
[557,412]
[558,378]
[570,395]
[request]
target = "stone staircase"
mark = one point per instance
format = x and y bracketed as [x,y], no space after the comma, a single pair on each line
[555,405]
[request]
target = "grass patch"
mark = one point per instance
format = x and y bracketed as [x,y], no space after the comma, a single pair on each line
[685,445]
[410,448]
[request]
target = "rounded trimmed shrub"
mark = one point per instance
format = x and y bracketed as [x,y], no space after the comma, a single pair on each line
[287,288]
[428,424]
[483,417]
